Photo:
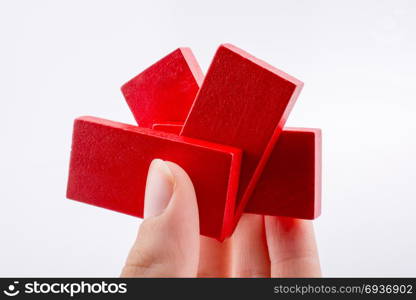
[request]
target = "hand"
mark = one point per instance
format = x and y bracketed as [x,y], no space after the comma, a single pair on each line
[168,243]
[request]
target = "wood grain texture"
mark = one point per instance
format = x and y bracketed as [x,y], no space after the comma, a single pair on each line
[165,91]
[290,184]
[243,102]
[110,160]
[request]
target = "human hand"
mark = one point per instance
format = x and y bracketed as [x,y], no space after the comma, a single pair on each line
[168,243]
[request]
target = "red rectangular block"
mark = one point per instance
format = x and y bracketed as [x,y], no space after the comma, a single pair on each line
[165,91]
[243,102]
[290,184]
[110,160]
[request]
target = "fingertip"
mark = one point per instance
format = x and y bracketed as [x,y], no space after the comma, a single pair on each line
[184,199]
[160,184]
[292,247]
[183,205]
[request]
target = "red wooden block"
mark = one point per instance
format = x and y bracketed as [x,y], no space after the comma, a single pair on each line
[110,160]
[290,184]
[166,90]
[243,102]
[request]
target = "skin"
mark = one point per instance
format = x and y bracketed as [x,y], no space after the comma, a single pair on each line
[168,243]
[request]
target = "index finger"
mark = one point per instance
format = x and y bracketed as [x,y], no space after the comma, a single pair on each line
[292,247]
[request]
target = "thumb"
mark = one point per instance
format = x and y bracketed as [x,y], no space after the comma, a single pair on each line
[167,244]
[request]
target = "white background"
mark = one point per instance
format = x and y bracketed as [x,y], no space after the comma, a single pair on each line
[63,59]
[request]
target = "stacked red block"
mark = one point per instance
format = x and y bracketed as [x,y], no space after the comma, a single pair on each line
[226,130]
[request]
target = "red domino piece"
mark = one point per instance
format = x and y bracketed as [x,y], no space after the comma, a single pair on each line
[165,91]
[110,160]
[243,102]
[290,184]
